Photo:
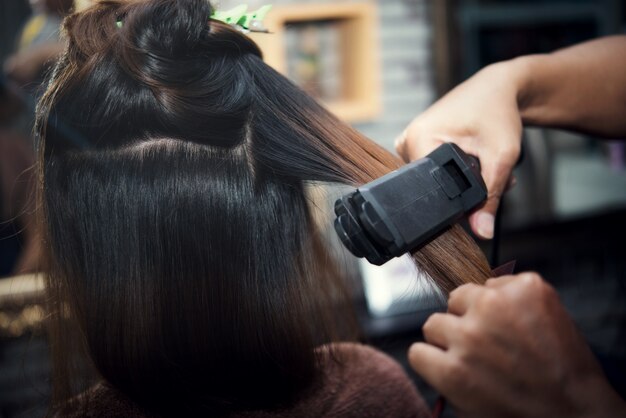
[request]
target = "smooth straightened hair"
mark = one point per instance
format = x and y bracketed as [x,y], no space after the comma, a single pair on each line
[182,258]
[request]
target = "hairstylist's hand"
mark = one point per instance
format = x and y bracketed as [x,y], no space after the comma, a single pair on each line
[482,117]
[509,349]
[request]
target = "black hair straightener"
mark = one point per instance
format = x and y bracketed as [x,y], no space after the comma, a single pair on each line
[409,207]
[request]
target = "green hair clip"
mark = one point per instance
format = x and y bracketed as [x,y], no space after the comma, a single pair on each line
[245,22]
[238,18]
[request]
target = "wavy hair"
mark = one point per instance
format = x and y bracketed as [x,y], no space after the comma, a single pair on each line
[182,255]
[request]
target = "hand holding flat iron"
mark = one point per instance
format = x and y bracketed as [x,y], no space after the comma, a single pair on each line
[581,88]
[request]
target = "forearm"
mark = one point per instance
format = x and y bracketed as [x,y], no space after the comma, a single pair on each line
[581,88]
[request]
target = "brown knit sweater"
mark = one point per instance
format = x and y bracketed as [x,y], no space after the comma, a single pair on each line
[365,384]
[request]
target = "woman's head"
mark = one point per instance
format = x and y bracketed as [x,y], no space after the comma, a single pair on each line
[179,229]
[179,234]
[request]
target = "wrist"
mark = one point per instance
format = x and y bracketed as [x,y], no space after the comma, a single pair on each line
[528,94]
[524,78]
[514,81]
[536,79]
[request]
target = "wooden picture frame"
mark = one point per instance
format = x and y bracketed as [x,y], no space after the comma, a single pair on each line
[360,86]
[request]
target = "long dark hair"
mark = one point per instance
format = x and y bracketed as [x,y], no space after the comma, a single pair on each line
[182,256]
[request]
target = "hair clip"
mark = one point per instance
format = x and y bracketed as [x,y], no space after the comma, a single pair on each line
[118,23]
[242,21]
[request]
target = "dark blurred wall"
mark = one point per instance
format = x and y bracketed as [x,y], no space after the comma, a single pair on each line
[13,14]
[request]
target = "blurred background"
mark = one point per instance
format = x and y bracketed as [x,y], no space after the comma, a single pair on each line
[377,64]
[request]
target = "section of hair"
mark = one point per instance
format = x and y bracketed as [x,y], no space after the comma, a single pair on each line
[180,242]
[184,272]
[324,148]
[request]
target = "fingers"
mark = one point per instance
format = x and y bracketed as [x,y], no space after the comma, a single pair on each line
[400,145]
[440,328]
[483,222]
[496,282]
[410,146]
[496,172]
[462,298]
[428,362]
[525,288]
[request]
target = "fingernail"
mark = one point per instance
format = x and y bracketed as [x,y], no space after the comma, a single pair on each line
[484,224]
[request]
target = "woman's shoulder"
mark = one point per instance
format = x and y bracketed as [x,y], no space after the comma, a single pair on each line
[355,380]
[102,401]
[361,381]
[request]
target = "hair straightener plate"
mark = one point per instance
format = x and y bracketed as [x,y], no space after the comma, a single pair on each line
[409,207]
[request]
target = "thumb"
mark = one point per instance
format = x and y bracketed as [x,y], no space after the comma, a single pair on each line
[497,177]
